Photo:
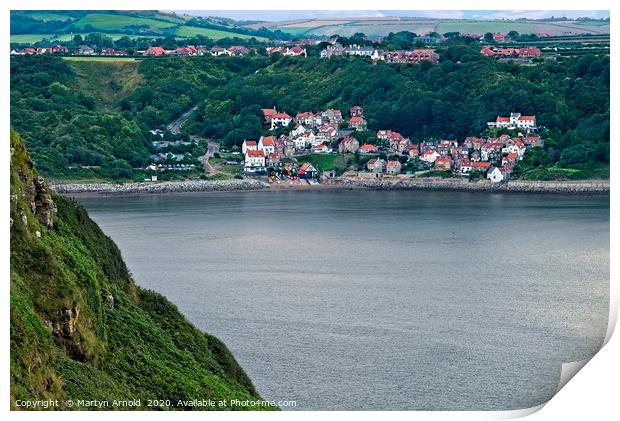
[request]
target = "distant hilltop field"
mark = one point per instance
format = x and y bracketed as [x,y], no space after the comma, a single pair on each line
[31,26]
[382,26]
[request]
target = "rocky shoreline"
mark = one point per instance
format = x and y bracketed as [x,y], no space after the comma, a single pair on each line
[349,183]
[450,184]
[161,187]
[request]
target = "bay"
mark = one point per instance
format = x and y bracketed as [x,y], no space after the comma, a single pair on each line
[380,300]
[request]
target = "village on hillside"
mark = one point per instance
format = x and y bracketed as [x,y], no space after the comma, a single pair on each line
[520,55]
[390,154]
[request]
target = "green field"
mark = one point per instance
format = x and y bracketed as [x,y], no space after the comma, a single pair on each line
[324,162]
[383,26]
[32,38]
[101,58]
[48,16]
[192,31]
[481,27]
[118,24]
[293,30]
[114,22]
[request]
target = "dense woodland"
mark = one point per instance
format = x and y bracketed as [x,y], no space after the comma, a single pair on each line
[66,125]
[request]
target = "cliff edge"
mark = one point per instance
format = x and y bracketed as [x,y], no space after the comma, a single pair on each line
[80,327]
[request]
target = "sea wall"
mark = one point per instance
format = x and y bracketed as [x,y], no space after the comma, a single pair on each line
[161,187]
[455,184]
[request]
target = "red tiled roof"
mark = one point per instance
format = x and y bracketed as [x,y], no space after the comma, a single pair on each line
[268,140]
[356,119]
[268,111]
[255,154]
[281,115]
[527,118]
[368,147]
[158,51]
[304,167]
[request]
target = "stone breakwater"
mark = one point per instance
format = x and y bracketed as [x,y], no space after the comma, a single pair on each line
[161,187]
[517,186]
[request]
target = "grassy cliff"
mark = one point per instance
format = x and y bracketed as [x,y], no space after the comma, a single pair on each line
[82,329]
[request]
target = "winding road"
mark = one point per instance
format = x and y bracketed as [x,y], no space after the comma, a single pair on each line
[175,126]
[212,149]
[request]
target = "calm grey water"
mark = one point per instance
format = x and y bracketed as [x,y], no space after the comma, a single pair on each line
[380,300]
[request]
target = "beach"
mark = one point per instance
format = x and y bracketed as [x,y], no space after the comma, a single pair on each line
[384,183]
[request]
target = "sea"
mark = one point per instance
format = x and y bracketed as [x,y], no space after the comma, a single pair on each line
[379,300]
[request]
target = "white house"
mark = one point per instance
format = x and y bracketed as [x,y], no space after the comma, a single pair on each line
[249,145]
[429,156]
[495,175]
[280,120]
[514,149]
[515,121]
[300,142]
[298,131]
[267,144]
[254,161]
[320,149]
[357,50]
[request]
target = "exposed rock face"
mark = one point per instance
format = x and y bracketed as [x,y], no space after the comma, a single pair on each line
[109,301]
[69,317]
[65,330]
[42,204]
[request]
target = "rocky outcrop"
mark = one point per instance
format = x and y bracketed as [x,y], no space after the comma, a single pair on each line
[42,204]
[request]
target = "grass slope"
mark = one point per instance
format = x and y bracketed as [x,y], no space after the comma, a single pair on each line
[114,22]
[108,80]
[186,31]
[81,328]
[324,162]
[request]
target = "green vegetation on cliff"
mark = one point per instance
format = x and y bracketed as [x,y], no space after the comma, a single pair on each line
[82,329]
